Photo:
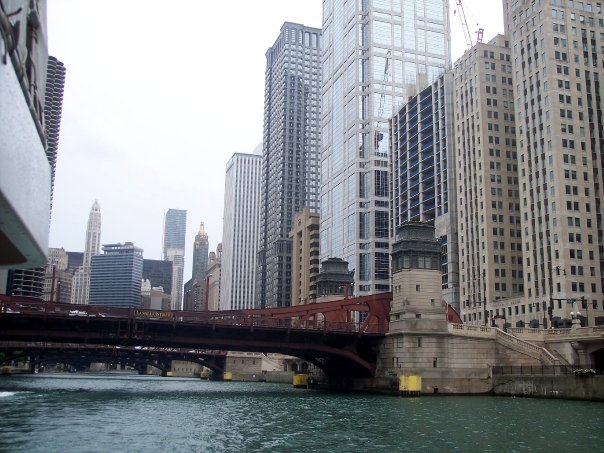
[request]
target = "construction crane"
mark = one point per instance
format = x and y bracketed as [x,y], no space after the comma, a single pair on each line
[466,29]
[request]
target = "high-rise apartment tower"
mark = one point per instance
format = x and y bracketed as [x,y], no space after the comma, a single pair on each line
[291,147]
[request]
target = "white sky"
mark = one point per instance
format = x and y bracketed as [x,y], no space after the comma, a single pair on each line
[158,97]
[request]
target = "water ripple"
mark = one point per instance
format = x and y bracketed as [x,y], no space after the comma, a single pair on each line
[94,414]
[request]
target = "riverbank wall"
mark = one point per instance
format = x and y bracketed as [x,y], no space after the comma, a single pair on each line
[590,388]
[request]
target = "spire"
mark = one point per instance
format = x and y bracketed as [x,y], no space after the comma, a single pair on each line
[202,231]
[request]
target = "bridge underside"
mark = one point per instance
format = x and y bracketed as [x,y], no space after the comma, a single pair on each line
[338,354]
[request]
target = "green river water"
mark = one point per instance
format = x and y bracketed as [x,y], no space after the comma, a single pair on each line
[113,413]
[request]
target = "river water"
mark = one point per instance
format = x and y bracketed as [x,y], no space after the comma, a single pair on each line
[112,413]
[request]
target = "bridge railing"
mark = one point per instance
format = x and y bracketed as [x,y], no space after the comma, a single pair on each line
[24,306]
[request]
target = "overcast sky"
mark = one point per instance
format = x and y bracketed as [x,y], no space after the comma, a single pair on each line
[158,97]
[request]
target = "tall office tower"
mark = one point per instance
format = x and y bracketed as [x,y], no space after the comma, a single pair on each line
[490,242]
[80,287]
[200,267]
[376,55]
[291,147]
[214,273]
[305,256]
[175,226]
[558,74]
[240,231]
[116,276]
[53,106]
[422,169]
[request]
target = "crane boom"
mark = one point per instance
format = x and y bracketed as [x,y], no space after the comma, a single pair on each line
[464,24]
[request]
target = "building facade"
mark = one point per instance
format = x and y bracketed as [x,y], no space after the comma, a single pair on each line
[116,276]
[487,173]
[57,278]
[27,282]
[240,231]
[159,273]
[53,108]
[25,173]
[557,69]
[291,146]
[422,169]
[175,227]
[376,55]
[80,288]
[214,274]
[305,256]
[200,268]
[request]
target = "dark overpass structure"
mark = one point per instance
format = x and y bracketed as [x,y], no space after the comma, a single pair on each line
[81,356]
[341,337]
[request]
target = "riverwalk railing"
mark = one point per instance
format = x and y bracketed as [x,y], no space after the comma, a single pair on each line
[554,335]
[534,370]
[542,354]
[511,341]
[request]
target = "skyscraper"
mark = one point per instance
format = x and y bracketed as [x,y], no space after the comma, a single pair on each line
[556,65]
[200,267]
[116,276]
[291,146]
[490,258]
[175,226]
[80,286]
[423,174]
[375,56]
[53,107]
[240,231]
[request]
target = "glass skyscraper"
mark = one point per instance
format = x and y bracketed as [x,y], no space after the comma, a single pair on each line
[376,54]
[291,146]
[115,278]
[175,227]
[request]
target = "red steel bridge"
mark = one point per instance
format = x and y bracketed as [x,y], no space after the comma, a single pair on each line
[341,337]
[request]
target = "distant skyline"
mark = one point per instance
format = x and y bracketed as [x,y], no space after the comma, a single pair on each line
[158,97]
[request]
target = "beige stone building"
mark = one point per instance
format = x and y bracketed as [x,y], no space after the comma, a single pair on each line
[305,256]
[557,68]
[213,276]
[490,242]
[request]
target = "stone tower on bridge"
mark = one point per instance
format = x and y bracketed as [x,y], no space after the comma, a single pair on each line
[416,281]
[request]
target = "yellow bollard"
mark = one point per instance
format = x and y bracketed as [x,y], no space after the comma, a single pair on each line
[410,384]
[300,381]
